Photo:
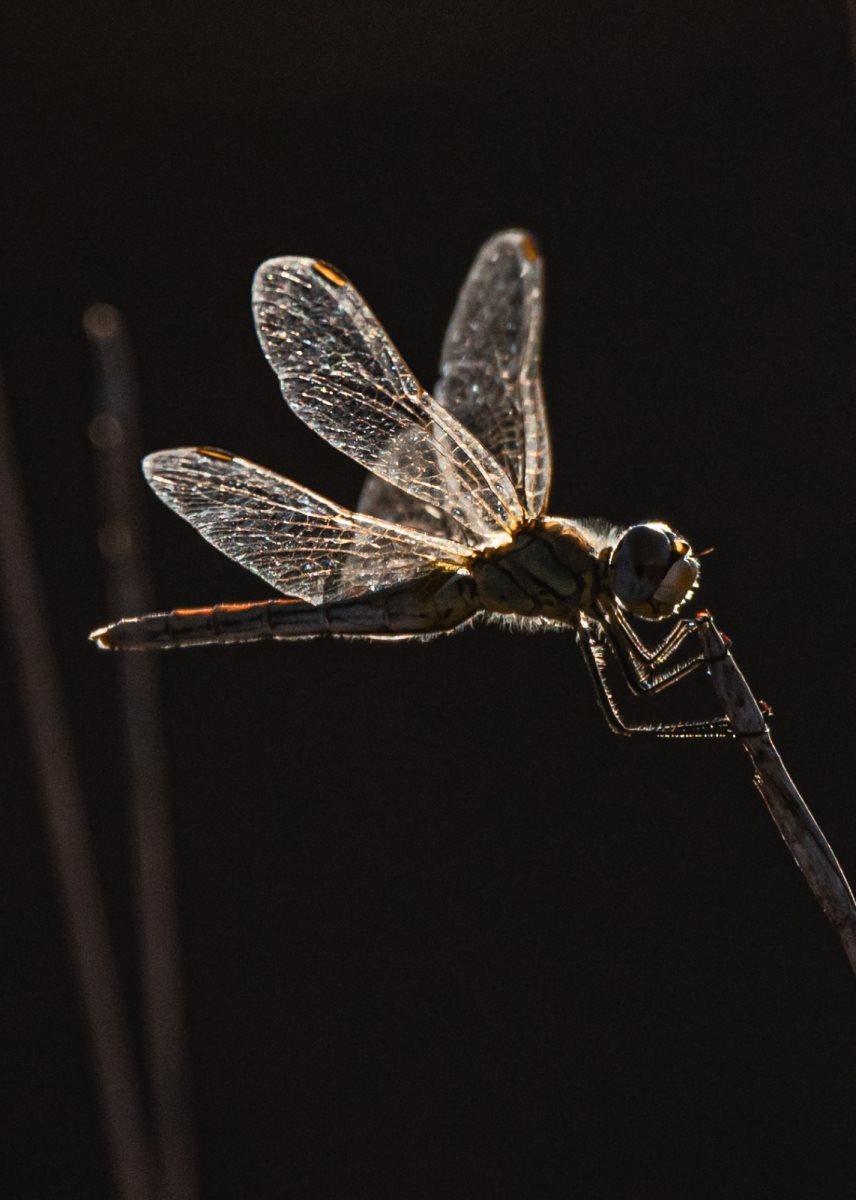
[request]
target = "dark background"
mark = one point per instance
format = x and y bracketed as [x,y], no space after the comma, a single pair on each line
[443,934]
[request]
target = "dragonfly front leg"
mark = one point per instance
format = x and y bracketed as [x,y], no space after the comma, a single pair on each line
[638,662]
[594,652]
[649,654]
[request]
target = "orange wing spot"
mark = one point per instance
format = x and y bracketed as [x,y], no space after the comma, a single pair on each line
[209,452]
[329,273]
[192,612]
[530,249]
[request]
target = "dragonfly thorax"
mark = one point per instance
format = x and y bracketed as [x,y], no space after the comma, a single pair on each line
[552,569]
[549,569]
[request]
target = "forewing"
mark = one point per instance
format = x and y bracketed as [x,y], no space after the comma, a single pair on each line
[303,545]
[340,373]
[490,365]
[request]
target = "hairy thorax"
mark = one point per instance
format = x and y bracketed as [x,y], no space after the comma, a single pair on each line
[548,570]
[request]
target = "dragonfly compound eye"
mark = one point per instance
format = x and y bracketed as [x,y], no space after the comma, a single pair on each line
[653,571]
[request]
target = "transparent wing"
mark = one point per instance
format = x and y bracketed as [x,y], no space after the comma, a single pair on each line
[389,503]
[302,544]
[340,374]
[489,378]
[490,365]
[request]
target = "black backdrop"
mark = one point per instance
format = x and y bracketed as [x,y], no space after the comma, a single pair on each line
[443,934]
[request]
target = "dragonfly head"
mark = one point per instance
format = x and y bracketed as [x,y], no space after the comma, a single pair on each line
[653,571]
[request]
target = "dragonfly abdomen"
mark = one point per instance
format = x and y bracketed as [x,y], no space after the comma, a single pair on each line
[222,623]
[432,604]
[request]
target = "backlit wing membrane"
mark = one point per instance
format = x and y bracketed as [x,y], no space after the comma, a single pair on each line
[302,544]
[340,373]
[389,503]
[490,365]
[489,378]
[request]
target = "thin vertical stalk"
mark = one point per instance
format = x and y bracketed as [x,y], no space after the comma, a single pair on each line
[115,434]
[68,834]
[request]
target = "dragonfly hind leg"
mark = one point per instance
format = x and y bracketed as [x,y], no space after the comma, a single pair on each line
[594,649]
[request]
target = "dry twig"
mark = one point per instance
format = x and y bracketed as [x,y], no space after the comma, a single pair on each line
[793,818]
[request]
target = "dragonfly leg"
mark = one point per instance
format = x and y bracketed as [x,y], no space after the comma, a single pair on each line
[594,654]
[639,663]
[649,654]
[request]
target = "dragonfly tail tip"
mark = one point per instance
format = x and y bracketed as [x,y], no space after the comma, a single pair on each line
[101,638]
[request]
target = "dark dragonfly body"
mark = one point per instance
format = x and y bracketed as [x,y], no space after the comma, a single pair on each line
[546,571]
[452,520]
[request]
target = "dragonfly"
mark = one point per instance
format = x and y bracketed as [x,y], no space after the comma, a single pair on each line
[452,523]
